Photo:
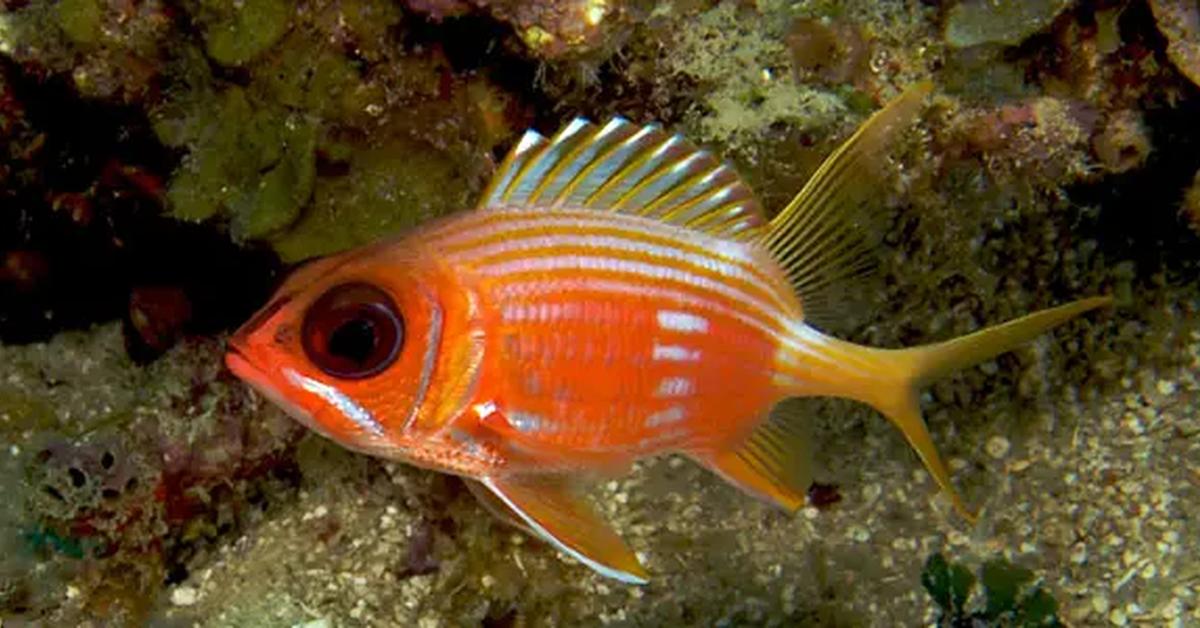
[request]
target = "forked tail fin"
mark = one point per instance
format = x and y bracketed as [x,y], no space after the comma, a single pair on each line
[890,379]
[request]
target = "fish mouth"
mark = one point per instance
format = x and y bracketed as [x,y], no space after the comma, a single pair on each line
[239,364]
[238,355]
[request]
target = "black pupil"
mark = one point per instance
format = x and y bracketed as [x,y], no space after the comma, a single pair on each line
[354,340]
[353,331]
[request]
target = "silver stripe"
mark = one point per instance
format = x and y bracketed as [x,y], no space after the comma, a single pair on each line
[526,289]
[496,223]
[675,387]
[685,322]
[656,272]
[609,244]
[433,342]
[675,353]
[528,422]
[674,414]
[349,408]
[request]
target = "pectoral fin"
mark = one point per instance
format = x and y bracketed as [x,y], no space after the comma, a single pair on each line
[550,509]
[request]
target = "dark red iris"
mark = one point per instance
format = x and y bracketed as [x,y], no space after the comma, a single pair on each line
[353,331]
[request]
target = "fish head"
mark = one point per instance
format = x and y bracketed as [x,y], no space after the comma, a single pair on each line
[366,349]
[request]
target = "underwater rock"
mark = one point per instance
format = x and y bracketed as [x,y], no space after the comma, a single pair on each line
[1179,22]
[549,29]
[115,475]
[156,318]
[110,50]
[1191,204]
[1009,22]
[1039,141]
[729,52]
[831,51]
[24,269]
[1123,143]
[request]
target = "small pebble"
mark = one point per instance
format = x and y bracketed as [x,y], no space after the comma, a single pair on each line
[997,447]
[183,596]
[1079,553]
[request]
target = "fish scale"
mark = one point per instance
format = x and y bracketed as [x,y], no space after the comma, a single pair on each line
[554,323]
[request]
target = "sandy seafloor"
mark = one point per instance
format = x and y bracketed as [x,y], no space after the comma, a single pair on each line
[1080,450]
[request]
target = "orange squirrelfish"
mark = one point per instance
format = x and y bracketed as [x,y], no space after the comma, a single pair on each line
[617,294]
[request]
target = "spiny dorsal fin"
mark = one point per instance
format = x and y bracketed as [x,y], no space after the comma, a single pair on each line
[823,238]
[635,170]
[774,463]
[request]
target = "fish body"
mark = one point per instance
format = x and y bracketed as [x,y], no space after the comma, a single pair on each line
[617,295]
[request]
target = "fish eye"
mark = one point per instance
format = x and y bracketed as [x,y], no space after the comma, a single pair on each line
[353,331]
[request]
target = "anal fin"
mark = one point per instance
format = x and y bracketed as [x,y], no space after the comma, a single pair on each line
[773,463]
[547,506]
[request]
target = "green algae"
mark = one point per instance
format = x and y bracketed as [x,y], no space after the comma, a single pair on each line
[80,21]
[1008,22]
[274,200]
[327,85]
[251,160]
[1010,594]
[238,32]
[386,190]
[253,151]
[20,412]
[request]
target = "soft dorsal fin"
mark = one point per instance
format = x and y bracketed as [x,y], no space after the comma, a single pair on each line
[625,168]
[824,237]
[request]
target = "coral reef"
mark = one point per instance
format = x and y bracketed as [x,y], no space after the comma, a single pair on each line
[161,158]
[1179,22]
[976,22]
[1122,144]
[118,475]
[549,29]
[110,50]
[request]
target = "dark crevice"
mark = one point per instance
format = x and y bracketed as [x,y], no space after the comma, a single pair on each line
[1138,218]
[83,223]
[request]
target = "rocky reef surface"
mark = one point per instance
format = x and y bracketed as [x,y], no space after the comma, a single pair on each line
[164,161]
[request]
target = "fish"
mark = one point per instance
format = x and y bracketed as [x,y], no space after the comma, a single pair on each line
[617,294]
